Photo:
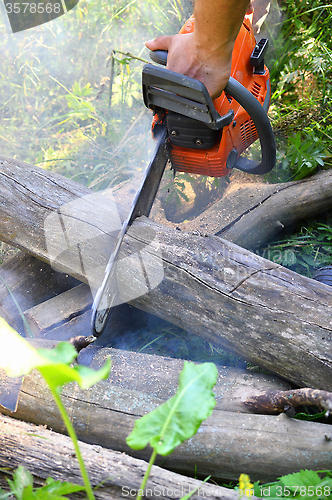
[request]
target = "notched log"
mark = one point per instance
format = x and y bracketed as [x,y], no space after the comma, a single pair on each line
[252,213]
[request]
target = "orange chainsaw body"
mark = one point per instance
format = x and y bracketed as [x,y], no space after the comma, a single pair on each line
[241,133]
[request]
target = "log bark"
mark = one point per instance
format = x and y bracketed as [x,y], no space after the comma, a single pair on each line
[251,213]
[222,292]
[231,297]
[213,288]
[274,402]
[48,454]
[154,377]
[225,444]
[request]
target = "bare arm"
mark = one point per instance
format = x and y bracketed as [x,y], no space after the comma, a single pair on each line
[206,54]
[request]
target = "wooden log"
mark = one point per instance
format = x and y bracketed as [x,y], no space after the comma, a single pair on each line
[54,320]
[253,213]
[284,208]
[116,475]
[26,281]
[33,220]
[248,213]
[226,444]
[274,402]
[157,377]
[58,310]
[231,297]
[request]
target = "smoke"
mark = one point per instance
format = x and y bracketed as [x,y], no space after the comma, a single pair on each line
[63,62]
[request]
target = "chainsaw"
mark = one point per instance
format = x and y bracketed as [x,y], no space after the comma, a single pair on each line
[197,134]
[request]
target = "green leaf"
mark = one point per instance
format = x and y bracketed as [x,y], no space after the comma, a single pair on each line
[18,357]
[307,417]
[178,419]
[57,374]
[52,490]
[21,480]
[64,352]
[61,488]
[302,478]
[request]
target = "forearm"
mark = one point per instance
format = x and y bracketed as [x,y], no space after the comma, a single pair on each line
[206,53]
[217,23]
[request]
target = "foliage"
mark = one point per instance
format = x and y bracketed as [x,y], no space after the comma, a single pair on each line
[301,485]
[54,94]
[301,71]
[22,487]
[306,250]
[18,357]
[179,418]
[300,68]
[305,153]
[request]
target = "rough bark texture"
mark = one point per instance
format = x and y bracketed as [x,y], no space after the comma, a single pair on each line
[251,213]
[45,453]
[153,377]
[228,295]
[265,447]
[231,297]
[274,402]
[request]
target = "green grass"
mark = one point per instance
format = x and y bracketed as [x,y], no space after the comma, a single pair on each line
[301,70]
[307,249]
[301,75]
[55,91]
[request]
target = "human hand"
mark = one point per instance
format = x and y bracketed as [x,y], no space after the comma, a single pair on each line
[212,66]
[206,53]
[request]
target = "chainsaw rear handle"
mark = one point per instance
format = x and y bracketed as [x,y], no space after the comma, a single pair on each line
[254,109]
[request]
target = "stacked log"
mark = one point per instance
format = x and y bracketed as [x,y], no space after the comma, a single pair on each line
[209,286]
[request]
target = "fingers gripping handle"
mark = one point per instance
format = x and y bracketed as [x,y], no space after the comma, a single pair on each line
[258,115]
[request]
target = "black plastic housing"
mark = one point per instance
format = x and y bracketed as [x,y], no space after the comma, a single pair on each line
[189,97]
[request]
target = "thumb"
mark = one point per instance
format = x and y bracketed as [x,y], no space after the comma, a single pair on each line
[160,43]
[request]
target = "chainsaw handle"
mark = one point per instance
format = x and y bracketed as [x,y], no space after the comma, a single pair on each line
[258,114]
[159,56]
[263,126]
